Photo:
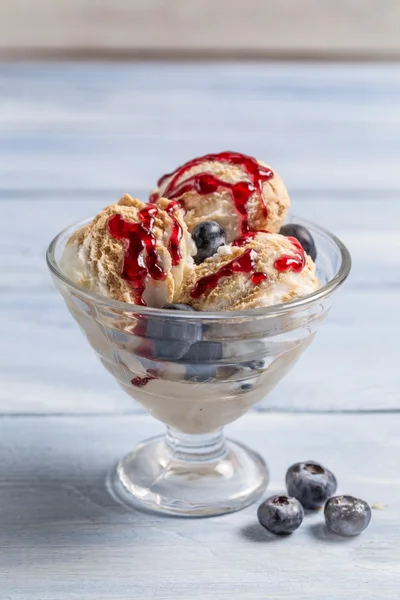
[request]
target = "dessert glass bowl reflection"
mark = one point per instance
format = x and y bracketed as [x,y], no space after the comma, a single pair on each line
[197,372]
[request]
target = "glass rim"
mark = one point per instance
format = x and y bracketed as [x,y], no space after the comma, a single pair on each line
[274,310]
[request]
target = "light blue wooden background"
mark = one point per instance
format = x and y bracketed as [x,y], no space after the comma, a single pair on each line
[76,137]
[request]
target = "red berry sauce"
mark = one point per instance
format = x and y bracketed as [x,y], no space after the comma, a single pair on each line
[176,234]
[141,381]
[292,262]
[258,278]
[245,263]
[206,183]
[138,238]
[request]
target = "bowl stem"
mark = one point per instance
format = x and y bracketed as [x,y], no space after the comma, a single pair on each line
[199,448]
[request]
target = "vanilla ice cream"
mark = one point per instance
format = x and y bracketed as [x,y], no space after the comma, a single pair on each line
[259,269]
[237,191]
[132,252]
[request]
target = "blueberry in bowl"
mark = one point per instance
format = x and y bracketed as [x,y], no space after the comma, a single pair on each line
[171,339]
[302,234]
[201,360]
[208,237]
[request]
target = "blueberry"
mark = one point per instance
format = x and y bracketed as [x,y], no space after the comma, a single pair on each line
[246,386]
[346,515]
[280,514]
[255,365]
[310,483]
[303,235]
[204,352]
[171,338]
[202,360]
[208,237]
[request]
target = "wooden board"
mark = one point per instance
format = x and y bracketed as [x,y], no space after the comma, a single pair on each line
[63,536]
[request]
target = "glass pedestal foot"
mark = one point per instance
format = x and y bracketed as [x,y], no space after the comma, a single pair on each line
[190,475]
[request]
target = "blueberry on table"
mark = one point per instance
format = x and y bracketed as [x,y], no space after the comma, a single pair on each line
[208,237]
[311,483]
[280,514]
[346,515]
[171,338]
[303,235]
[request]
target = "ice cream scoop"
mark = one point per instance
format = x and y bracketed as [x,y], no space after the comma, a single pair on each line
[132,252]
[237,191]
[259,269]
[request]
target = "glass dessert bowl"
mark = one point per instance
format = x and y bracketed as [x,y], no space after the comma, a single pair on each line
[196,372]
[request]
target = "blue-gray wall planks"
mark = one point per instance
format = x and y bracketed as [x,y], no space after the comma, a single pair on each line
[324,127]
[72,139]
[75,137]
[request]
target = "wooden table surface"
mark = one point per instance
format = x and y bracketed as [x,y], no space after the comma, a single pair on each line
[76,137]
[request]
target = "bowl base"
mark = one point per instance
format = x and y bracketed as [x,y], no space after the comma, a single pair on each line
[154,478]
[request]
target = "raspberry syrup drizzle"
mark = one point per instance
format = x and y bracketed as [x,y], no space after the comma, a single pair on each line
[258,278]
[292,262]
[245,263]
[206,183]
[138,238]
[141,381]
[176,234]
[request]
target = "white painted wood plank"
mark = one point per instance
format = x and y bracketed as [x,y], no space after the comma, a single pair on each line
[118,126]
[339,28]
[64,536]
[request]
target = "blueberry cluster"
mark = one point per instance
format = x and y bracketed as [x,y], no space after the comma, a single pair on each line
[311,486]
